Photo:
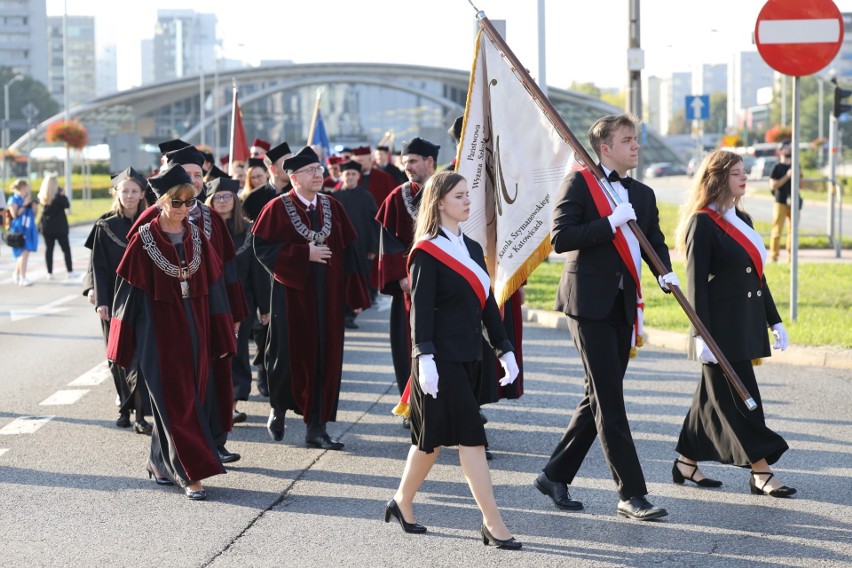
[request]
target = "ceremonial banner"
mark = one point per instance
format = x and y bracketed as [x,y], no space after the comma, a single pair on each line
[239,148]
[320,137]
[514,161]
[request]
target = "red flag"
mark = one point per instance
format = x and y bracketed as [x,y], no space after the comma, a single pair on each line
[239,144]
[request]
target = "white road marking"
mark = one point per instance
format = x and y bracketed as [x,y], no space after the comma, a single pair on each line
[93,377]
[64,397]
[3,451]
[25,425]
[45,310]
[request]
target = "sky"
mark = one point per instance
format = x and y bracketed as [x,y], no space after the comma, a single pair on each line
[586,41]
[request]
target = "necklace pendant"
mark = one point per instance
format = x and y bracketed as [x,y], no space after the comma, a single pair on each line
[184,289]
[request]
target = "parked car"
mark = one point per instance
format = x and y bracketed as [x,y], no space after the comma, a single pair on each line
[661,169]
[762,167]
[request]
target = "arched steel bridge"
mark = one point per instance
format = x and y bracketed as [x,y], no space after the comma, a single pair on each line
[360,102]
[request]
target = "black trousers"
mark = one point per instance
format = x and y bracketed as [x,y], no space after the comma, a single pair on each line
[604,346]
[49,242]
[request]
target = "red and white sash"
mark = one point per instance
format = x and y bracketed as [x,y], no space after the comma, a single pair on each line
[628,249]
[447,253]
[744,235]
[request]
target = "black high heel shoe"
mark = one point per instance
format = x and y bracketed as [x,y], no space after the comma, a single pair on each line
[679,478]
[160,480]
[143,427]
[488,538]
[199,495]
[392,509]
[782,491]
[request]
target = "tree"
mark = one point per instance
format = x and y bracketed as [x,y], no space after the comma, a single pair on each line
[718,113]
[586,88]
[27,90]
[679,125]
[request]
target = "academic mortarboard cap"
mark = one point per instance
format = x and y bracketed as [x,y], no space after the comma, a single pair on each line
[128,173]
[346,150]
[350,165]
[300,159]
[168,178]
[216,172]
[333,160]
[456,129]
[256,163]
[170,145]
[361,151]
[421,147]
[383,148]
[223,184]
[186,155]
[258,143]
[275,153]
[208,156]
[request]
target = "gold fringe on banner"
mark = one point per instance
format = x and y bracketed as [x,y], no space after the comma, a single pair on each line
[523,272]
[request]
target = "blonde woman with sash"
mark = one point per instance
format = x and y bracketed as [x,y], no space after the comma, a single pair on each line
[725,257]
[451,300]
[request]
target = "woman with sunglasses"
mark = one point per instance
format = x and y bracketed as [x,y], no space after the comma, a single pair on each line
[222,197]
[171,318]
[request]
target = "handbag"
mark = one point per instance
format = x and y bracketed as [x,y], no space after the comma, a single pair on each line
[15,239]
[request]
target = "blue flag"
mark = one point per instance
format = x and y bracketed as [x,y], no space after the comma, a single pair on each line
[320,135]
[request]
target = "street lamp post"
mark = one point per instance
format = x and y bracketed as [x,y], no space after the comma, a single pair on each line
[5,136]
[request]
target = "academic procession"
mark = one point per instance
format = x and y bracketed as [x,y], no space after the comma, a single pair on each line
[299,356]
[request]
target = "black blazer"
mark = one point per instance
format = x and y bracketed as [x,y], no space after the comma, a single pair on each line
[446,318]
[723,287]
[593,267]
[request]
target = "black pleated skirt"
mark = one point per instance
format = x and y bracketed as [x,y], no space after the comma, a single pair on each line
[452,419]
[719,427]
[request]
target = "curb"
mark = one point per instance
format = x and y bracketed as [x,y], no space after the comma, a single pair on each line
[834,358]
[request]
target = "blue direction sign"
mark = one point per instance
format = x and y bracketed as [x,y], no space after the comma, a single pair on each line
[697,107]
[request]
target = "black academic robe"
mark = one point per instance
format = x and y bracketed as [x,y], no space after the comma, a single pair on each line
[361,209]
[397,174]
[173,340]
[255,201]
[256,285]
[307,305]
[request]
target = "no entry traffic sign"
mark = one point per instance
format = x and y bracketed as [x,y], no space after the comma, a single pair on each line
[798,38]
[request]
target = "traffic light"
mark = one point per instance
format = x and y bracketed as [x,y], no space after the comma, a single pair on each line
[840,107]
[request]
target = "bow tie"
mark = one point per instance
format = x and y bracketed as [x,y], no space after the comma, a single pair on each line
[613,177]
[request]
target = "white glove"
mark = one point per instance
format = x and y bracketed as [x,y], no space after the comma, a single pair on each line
[781,339]
[704,353]
[668,279]
[622,213]
[427,374]
[510,368]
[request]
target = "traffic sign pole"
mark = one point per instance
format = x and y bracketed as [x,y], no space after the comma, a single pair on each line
[795,201]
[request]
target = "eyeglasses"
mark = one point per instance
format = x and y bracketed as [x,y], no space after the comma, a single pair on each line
[223,196]
[313,170]
[177,203]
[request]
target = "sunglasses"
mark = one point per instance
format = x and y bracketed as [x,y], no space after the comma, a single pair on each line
[177,203]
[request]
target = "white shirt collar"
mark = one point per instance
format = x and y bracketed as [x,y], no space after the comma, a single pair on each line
[305,202]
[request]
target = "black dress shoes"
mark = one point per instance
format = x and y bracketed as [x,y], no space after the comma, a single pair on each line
[143,427]
[262,383]
[679,477]
[349,323]
[782,491]
[488,538]
[123,420]
[488,455]
[275,425]
[392,510]
[160,480]
[558,492]
[239,417]
[640,509]
[227,457]
[200,495]
[323,442]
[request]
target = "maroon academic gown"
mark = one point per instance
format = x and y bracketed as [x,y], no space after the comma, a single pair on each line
[216,231]
[173,341]
[314,297]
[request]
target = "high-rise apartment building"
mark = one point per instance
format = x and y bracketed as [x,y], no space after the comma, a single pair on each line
[747,74]
[184,44]
[23,29]
[82,69]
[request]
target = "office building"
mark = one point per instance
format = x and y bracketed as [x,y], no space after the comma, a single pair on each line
[82,69]
[23,37]
[184,44]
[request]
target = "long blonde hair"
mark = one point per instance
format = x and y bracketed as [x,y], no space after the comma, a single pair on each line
[429,215]
[119,209]
[49,187]
[710,186]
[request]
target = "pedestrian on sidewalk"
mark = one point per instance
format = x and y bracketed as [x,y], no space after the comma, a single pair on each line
[725,258]
[23,210]
[780,184]
[600,293]
[451,300]
[54,223]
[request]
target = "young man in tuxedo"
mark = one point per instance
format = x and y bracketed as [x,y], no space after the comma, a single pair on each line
[599,293]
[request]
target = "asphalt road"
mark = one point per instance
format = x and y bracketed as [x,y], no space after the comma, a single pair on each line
[74,490]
